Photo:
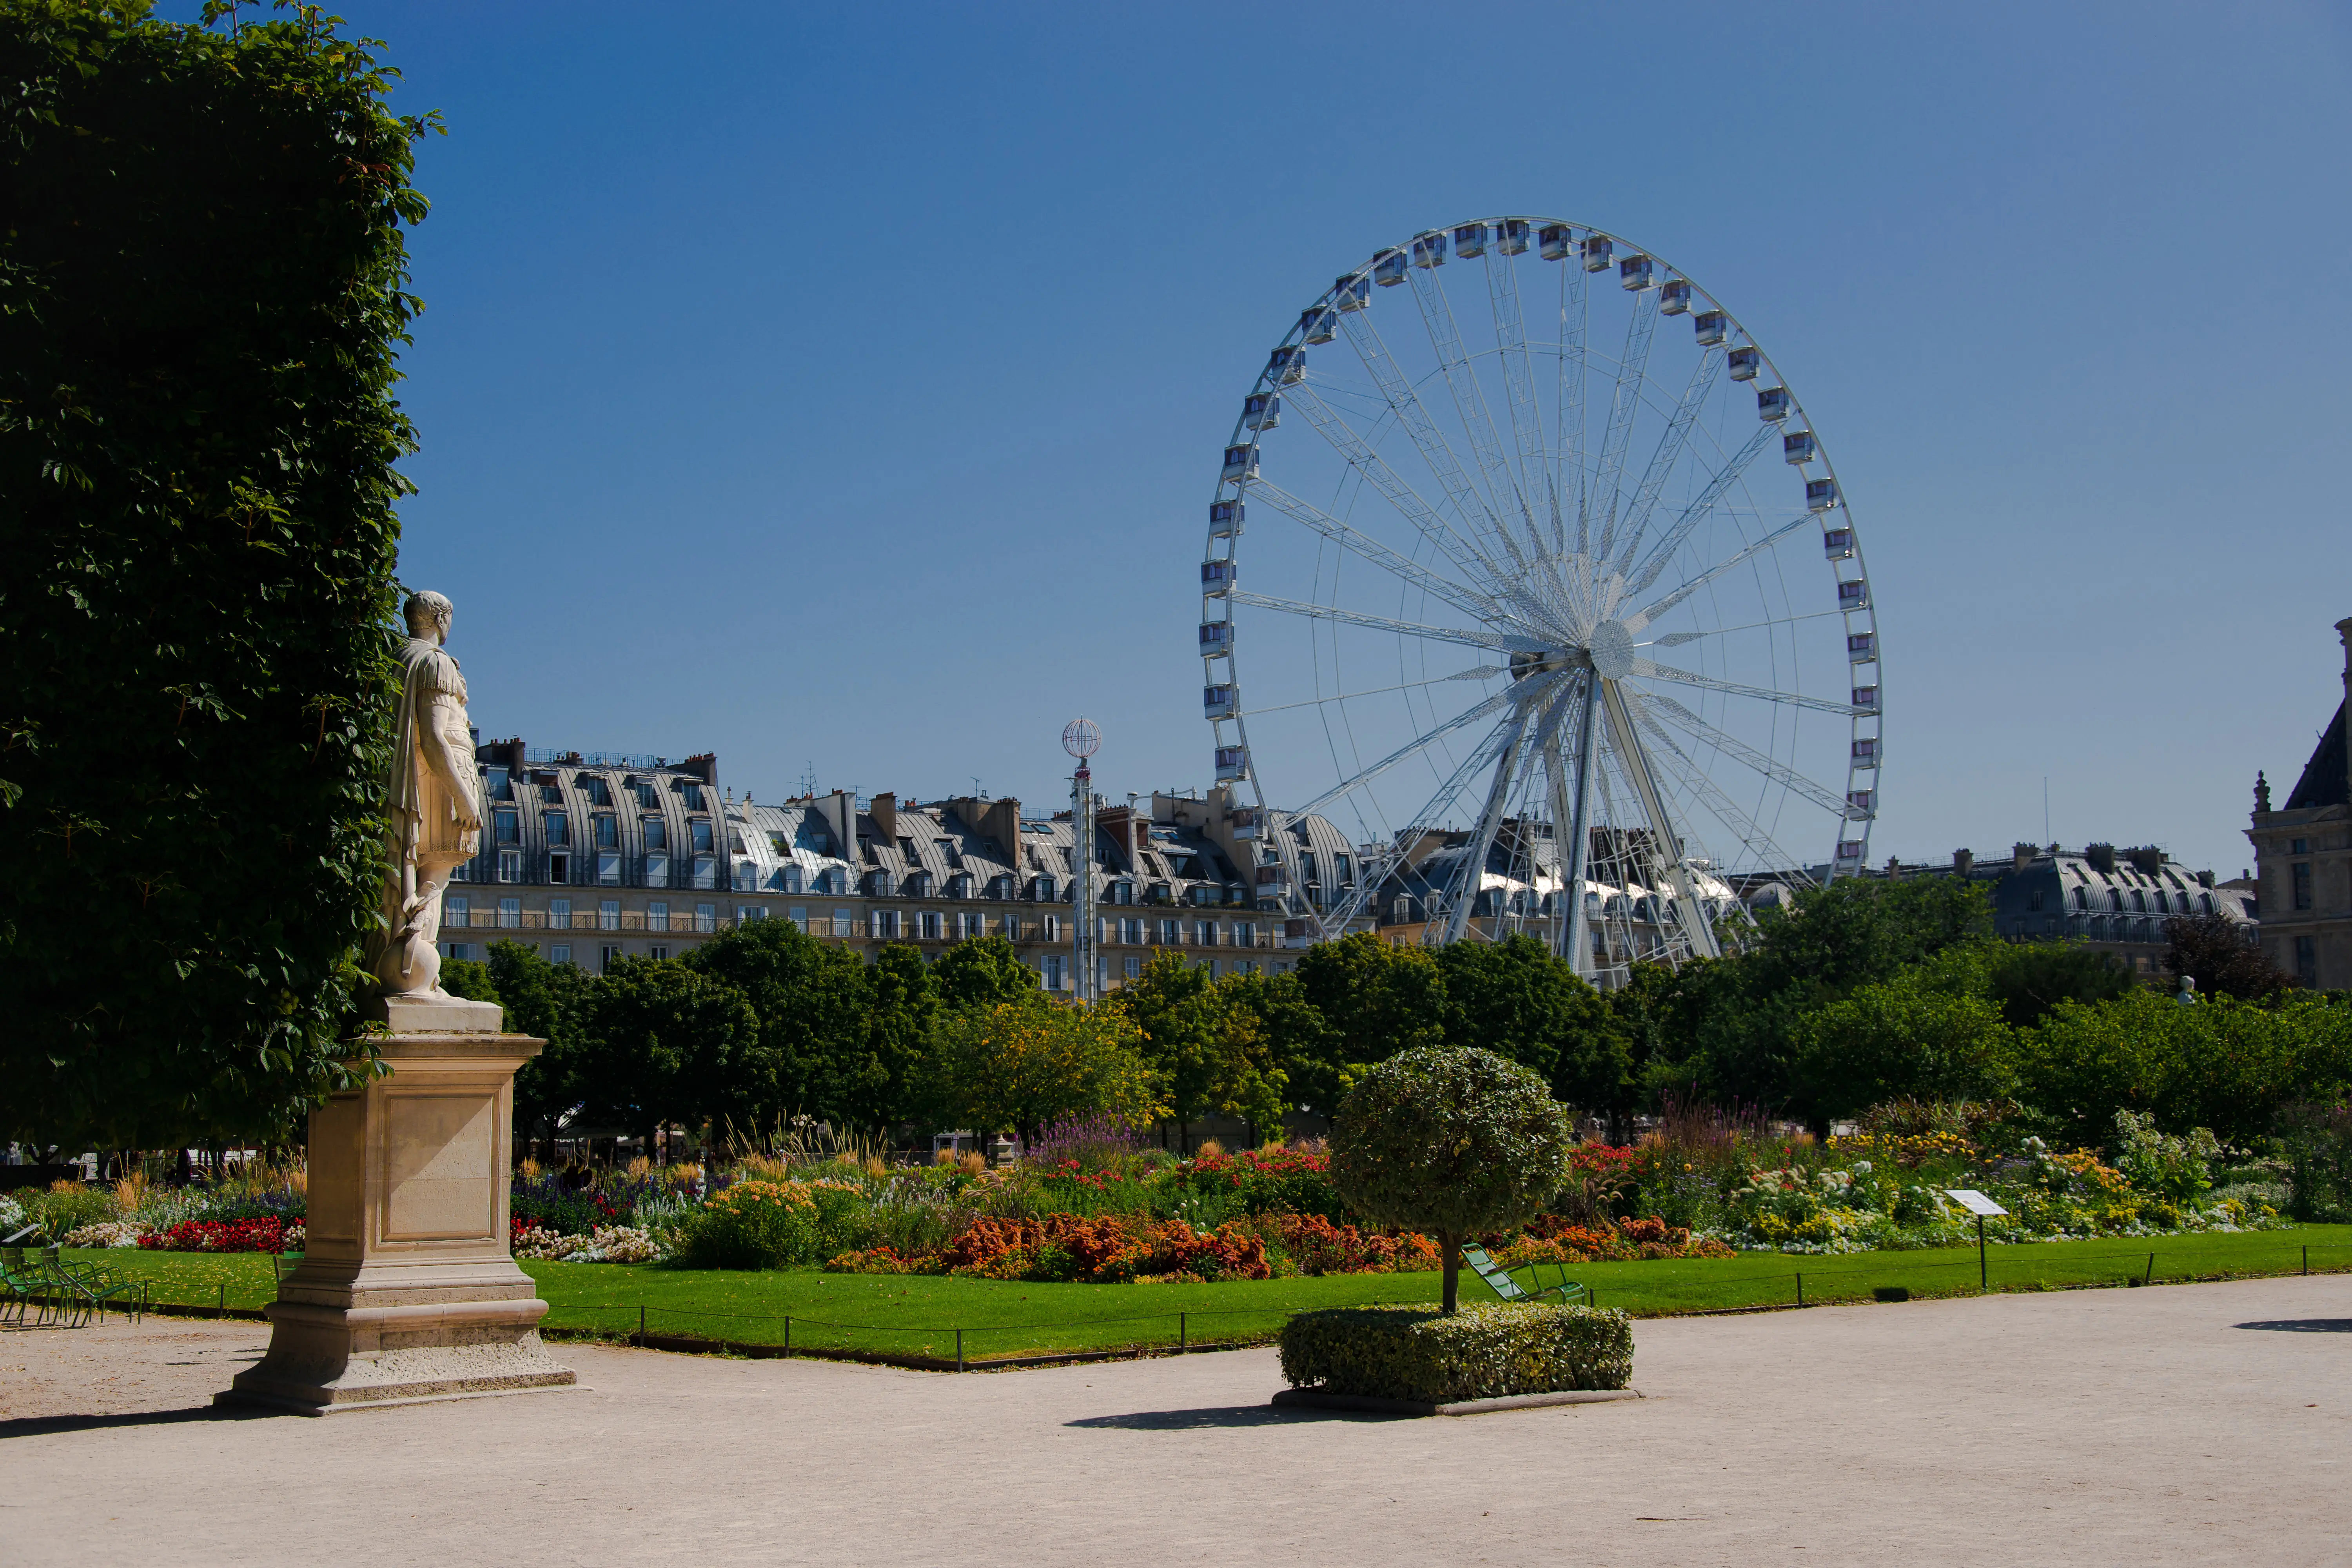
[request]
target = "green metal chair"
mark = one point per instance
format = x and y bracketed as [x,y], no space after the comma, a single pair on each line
[82,1291]
[1498,1278]
[22,1285]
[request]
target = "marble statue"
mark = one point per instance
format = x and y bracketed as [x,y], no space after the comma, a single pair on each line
[432,808]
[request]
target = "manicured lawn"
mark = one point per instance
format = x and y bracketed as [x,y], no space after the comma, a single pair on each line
[919,1315]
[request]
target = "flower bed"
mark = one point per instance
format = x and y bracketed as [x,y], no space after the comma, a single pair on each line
[262,1233]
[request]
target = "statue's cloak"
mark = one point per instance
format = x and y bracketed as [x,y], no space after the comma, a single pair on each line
[426,671]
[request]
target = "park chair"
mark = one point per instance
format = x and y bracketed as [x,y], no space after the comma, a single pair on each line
[22,1285]
[83,1290]
[285,1263]
[1498,1278]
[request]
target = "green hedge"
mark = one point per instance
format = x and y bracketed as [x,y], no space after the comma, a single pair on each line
[1480,1353]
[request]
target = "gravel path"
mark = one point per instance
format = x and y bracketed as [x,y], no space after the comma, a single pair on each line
[2184,1424]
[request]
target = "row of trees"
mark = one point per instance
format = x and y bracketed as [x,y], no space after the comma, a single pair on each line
[1869,992]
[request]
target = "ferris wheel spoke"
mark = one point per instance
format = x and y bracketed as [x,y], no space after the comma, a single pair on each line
[1477,672]
[1443,536]
[1651,669]
[1414,418]
[1463,721]
[1669,452]
[1518,373]
[1362,545]
[1751,833]
[1643,617]
[1635,762]
[1732,746]
[1575,312]
[1624,402]
[1696,513]
[1494,640]
[1482,840]
[1470,406]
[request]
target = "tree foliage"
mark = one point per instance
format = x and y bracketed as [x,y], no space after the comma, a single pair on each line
[202,290]
[1451,1141]
[2215,953]
[1017,1065]
[662,1043]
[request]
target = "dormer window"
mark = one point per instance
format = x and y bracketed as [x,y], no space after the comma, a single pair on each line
[699,836]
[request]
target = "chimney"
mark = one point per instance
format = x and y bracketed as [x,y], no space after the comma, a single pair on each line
[883,810]
[2102,858]
[1963,862]
[704,767]
[2205,878]
[2021,856]
[2144,859]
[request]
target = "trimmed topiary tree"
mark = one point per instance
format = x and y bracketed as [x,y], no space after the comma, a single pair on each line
[1452,1143]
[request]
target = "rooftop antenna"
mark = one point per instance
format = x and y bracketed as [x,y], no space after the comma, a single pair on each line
[2045,807]
[977,793]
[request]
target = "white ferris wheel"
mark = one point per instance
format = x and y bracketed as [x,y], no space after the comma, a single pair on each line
[1525,584]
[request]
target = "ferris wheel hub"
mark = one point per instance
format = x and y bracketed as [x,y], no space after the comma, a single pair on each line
[1611,650]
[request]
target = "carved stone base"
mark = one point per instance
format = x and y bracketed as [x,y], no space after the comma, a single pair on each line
[406,1292]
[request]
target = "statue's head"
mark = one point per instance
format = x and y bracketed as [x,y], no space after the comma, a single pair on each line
[429,614]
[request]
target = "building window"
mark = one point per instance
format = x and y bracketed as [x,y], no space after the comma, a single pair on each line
[558,825]
[746,913]
[930,926]
[1134,968]
[1045,890]
[706,917]
[1204,935]
[453,950]
[605,958]
[1053,928]
[498,783]
[607,830]
[608,915]
[648,797]
[509,827]
[1245,935]
[559,868]
[510,864]
[1011,928]
[800,916]
[510,914]
[2298,847]
[882,924]
[2300,874]
[1050,966]
[453,913]
[841,922]
[657,917]
[559,914]
[657,832]
[656,953]
[698,834]
[706,871]
[2306,961]
[792,880]
[559,953]
[657,870]
[1172,932]
[608,868]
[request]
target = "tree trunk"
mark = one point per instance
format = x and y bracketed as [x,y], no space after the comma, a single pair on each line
[1449,1247]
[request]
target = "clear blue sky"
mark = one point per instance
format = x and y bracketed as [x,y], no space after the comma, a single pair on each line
[840,388]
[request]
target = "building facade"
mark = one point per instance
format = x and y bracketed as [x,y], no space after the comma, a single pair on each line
[2303,857]
[589,857]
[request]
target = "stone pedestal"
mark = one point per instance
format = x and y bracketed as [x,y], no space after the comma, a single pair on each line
[406,1292]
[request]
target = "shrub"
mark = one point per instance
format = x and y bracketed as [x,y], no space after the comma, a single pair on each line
[69,1205]
[752,1225]
[1479,1353]
[1317,1245]
[1452,1143]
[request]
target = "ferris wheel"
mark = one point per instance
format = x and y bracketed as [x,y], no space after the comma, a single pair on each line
[1559,617]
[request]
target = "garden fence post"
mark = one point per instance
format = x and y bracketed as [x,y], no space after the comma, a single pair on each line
[788,1334]
[1984,1270]
[641,1325]
[2150,1278]
[958,1350]
[222,1310]
[1184,1336]
[1800,1290]
[2306,1257]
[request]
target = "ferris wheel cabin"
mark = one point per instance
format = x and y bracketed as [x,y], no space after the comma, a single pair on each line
[1470,241]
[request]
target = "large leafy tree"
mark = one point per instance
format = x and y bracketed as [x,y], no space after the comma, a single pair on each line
[979,971]
[550,1001]
[1215,1058]
[201,291]
[662,1043]
[1375,999]
[1018,1066]
[1451,1141]
[812,1000]
[1519,999]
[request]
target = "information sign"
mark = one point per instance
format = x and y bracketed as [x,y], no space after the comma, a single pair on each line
[1974,1202]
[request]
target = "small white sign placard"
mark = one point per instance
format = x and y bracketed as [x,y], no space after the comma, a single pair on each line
[1974,1202]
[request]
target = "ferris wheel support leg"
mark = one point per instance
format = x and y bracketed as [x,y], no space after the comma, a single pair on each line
[1635,762]
[1474,864]
[1580,831]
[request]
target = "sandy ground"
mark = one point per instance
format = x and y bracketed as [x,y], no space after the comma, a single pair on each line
[2187,1424]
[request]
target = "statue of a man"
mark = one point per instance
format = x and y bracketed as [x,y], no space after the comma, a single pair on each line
[432,810]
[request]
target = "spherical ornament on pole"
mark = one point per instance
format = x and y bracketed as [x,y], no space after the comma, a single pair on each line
[1081,738]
